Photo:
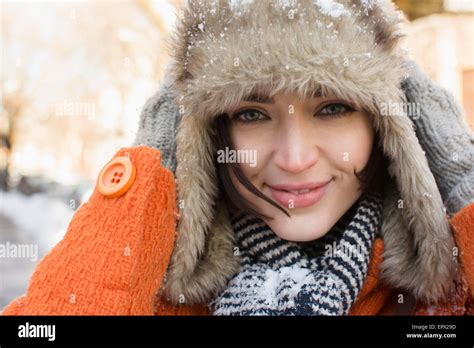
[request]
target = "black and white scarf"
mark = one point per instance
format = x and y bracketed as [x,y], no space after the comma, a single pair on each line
[321,277]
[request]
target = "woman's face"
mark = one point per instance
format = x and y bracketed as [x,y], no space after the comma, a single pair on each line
[310,145]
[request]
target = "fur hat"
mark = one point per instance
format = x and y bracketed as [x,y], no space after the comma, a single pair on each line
[223,51]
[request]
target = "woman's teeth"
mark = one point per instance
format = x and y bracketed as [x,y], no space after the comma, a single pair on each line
[299,191]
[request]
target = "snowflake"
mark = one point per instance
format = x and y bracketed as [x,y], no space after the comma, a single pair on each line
[235,4]
[331,8]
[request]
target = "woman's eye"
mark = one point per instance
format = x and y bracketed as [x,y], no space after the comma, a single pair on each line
[334,109]
[248,116]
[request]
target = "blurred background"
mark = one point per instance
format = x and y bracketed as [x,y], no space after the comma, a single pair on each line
[74,76]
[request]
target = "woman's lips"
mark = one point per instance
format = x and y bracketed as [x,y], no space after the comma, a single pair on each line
[299,200]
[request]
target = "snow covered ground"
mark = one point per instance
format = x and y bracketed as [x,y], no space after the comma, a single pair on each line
[33,224]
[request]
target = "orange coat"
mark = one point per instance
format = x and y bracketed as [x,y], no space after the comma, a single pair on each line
[114,256]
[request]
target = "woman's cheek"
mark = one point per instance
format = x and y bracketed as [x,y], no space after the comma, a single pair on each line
[353,149]
[257,145]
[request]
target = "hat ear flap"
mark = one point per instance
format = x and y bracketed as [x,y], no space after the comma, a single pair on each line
[203,258]
[423,262]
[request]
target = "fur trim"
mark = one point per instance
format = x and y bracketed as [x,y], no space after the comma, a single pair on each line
[415,258]
[352,54]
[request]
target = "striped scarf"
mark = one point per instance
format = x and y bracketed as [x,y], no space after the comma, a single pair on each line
[321,277]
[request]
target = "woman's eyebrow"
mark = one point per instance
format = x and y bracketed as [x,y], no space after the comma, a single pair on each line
[256,98]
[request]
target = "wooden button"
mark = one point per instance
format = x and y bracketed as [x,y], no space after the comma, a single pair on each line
[116,177]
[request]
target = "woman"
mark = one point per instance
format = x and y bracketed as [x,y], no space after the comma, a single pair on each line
[295,175]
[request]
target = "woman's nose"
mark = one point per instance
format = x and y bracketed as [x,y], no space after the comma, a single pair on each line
[296,149]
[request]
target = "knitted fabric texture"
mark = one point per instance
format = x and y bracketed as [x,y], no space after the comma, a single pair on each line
[321,277]
[445,137]
[159,122]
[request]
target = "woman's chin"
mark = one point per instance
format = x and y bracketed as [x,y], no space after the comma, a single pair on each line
[299,229]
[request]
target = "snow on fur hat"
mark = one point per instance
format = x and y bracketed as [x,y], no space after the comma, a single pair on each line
[224,51]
